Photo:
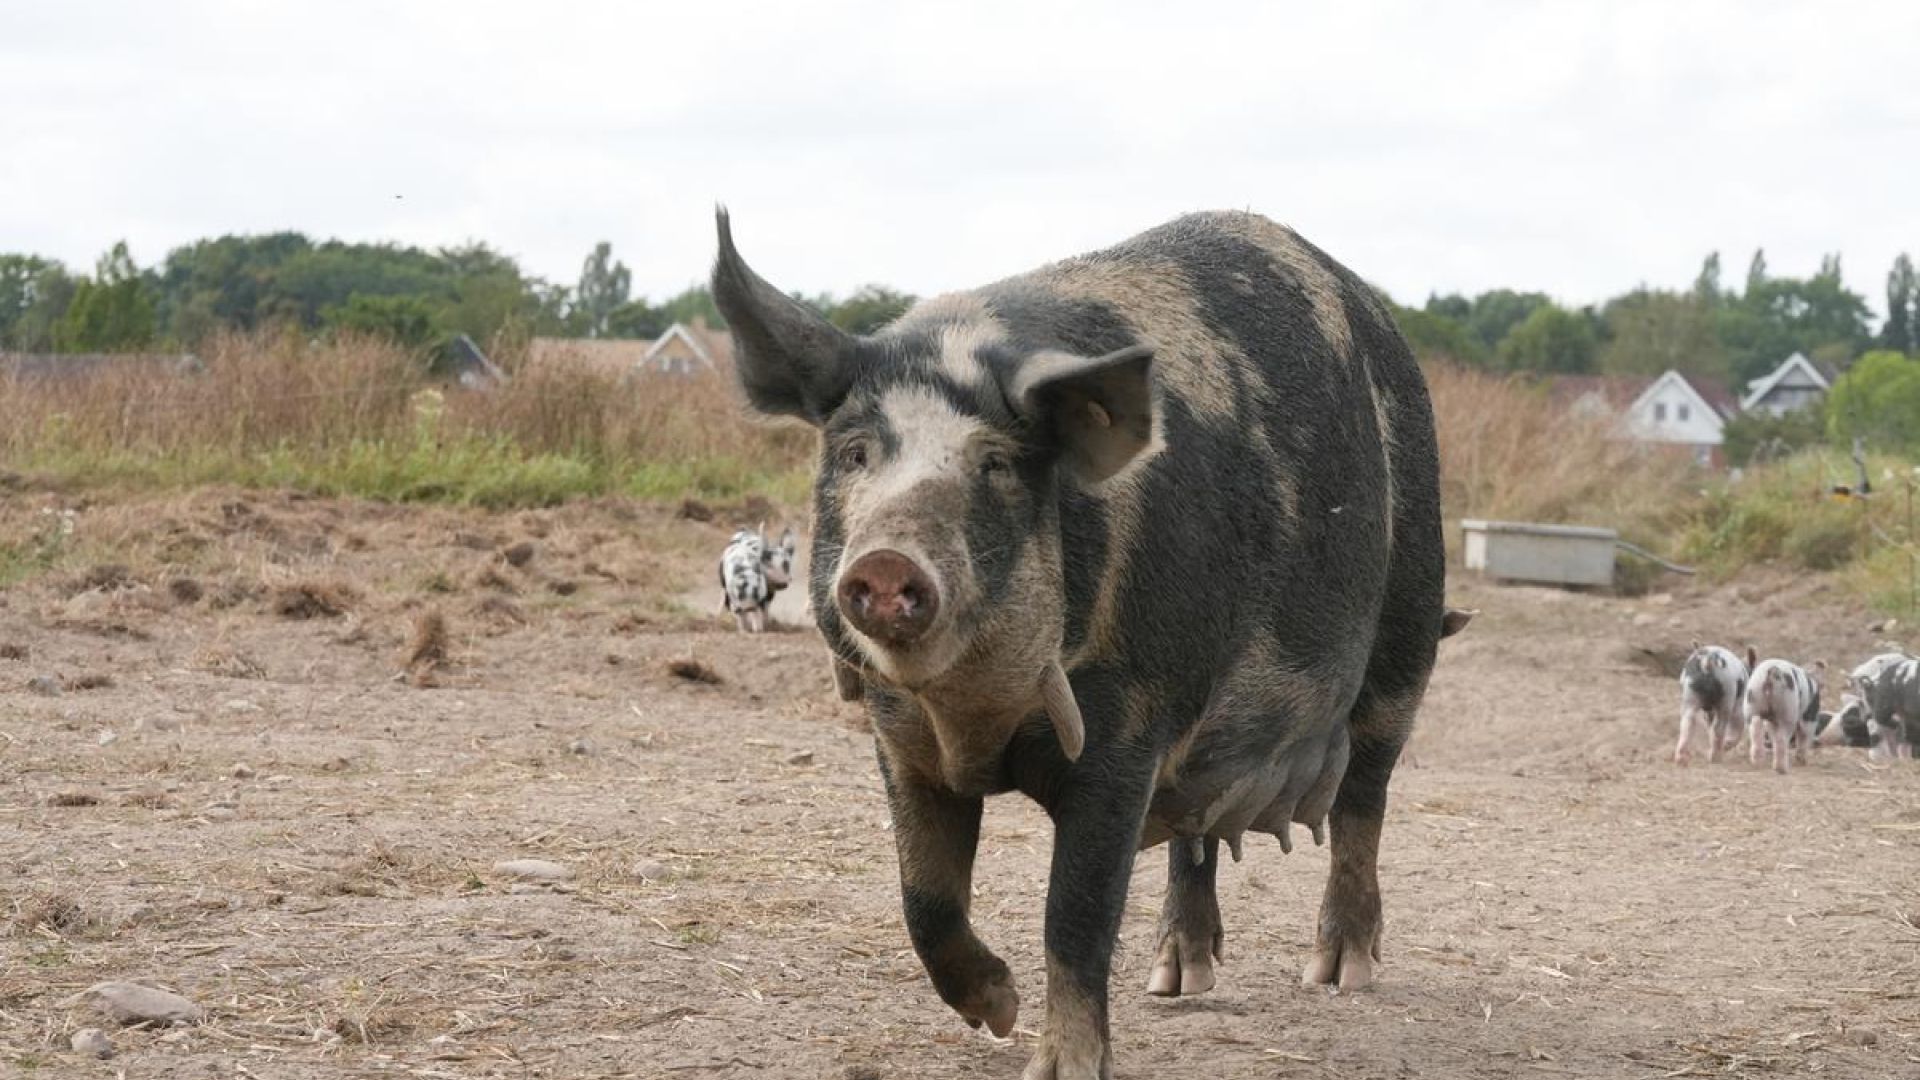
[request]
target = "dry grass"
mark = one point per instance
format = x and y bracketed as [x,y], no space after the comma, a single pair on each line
[314,598]
[429,646]
[1508,453]
[360,417]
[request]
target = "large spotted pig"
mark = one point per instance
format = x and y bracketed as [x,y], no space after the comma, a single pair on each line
[1151,535]
[1783,709]
[1713,685]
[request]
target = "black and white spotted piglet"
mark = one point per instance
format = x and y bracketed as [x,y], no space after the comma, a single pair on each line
[1713,686]
[1783,709]
[1889,688]
[743,580]
[751,572]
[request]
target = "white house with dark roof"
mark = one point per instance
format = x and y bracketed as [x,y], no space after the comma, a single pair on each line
[1794,385]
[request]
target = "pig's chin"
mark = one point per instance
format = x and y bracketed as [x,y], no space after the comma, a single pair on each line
[917,666]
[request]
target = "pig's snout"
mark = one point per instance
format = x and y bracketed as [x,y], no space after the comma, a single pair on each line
[887,597]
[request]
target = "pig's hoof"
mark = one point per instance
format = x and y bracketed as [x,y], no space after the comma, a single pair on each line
[994,1003]
[1346,966]
[1083,1057]
[1184,964]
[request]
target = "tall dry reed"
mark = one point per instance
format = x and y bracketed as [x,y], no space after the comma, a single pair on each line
[1508,452]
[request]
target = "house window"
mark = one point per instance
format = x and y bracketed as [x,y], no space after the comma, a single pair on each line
[1659,412]
[1685,413]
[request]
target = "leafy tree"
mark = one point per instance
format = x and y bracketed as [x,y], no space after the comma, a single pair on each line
[1490,316]
[869,309]
[1706,285]
[1903,308]
[604,287]
[34,294]
[1649,331]
[1435,337]
[1550,340]
[1879,398]
[1757,272]
[407,321]
[1776,317]
[1753,434]
[636,319]
[694,301]
[110,313]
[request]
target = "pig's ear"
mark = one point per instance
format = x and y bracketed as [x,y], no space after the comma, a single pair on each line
[790,361]
[1100,408]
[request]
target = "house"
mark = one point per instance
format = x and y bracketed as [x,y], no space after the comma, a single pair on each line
[688,348]
[1794,385]
[1683,411]
[469,366]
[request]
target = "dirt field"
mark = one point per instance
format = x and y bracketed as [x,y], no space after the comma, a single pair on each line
[273,806]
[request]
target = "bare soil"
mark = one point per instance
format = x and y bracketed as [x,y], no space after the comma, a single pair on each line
[264,791]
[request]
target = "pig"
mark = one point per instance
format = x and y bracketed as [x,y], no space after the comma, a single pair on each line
[1783,709]
[1151,535]
[1889,688]
[745,586]
[1713,687]
[1846,726]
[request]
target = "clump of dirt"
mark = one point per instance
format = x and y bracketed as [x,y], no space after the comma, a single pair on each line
[314,598]
[186,590]
[695,671]
[232,594]
[97,680]
[374,1024]
[519,555]
[228,662]
[106,577]
[55,912]
[490,577]
[13,650]
[695,510]
[499,609]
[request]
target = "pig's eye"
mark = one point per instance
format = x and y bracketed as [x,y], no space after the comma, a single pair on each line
[854,454]
[994,464]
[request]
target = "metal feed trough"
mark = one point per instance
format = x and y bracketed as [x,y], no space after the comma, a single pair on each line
[1558,554]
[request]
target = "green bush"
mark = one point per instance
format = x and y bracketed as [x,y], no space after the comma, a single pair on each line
[1823,540]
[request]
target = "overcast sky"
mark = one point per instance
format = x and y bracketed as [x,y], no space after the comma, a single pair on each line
[1578,148]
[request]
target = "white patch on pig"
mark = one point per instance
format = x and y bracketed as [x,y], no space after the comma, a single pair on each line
[933,439]
[958,345]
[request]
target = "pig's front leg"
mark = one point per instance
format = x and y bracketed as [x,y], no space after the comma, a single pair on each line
[936,834]
[1096,830]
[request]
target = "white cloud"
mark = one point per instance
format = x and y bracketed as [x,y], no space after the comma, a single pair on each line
[1577,148]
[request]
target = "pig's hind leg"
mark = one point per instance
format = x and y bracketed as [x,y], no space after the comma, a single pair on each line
[1190,930]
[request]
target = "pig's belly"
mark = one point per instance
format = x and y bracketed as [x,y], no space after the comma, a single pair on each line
[1265,792]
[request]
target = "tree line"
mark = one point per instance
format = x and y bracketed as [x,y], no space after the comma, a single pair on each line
[1710,330]
[420,298]
[415,296]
